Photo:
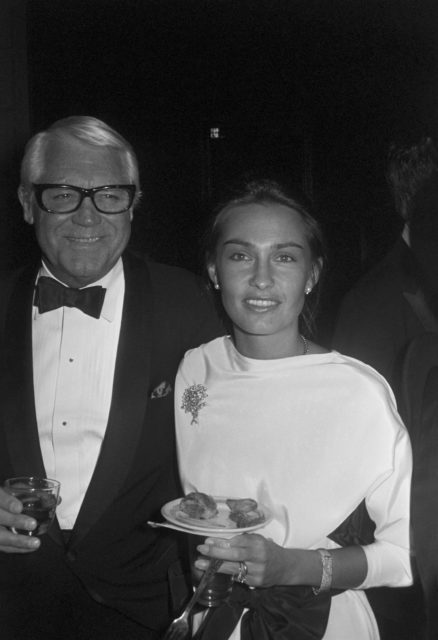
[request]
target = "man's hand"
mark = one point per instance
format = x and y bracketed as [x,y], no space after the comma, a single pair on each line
[10,516]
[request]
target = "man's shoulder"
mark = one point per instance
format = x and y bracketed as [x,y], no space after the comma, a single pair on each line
[179,299]
[8,278]
[171,274]
[159,271]
[169,283]
[9,281]
[385,280]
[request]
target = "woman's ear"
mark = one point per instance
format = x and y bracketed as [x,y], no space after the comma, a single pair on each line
[314,275]
[212,274]
[316,270]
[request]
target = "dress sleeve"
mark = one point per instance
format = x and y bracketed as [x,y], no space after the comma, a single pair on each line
[388,504]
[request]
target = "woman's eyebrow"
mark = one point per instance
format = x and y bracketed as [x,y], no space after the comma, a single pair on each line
[280,245]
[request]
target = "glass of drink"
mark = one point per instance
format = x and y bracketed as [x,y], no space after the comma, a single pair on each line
[217,589]
[39,497]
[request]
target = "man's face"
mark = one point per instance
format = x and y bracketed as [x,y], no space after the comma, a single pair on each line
[80,247]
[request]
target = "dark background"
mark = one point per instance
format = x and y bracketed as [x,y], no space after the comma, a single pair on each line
[314,89]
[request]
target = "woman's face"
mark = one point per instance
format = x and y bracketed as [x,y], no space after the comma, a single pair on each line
[263,266]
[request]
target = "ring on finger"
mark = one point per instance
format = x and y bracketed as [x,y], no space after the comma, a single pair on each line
[243,572]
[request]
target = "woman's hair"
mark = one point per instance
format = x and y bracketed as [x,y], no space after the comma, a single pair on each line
[266,191]
[84,128]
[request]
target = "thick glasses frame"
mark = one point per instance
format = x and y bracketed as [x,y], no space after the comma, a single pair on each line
[84,193]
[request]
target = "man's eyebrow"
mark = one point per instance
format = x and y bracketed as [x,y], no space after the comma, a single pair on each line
[280,245]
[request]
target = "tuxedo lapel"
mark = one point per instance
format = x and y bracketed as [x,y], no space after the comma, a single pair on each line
[18,404]
[129,399]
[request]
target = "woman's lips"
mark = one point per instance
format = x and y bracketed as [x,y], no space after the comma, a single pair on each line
[262,304]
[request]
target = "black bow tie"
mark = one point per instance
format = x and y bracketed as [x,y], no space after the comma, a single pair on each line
[51,294]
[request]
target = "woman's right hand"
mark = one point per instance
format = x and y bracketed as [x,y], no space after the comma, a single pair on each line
[267,563]
[10,516]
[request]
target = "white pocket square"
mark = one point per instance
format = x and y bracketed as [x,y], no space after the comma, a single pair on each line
[162,390]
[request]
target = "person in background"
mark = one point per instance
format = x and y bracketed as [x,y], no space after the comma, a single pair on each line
[419,407]
[424,243]
[386,310]
[90,340]
[418,395]
[265,413]
[381,314]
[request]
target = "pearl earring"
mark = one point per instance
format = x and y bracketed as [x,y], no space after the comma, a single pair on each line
[216,286]
[307,290]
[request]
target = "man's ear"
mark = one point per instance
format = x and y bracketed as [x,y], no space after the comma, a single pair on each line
[212,273]
[24,198]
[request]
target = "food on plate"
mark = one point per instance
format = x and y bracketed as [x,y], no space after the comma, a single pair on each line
[242,505]
[246,519]
[198,505]
[244,512]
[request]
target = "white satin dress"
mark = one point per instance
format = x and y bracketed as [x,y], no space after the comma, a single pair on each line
[309,436]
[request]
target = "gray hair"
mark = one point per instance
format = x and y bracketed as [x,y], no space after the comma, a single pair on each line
[84,128]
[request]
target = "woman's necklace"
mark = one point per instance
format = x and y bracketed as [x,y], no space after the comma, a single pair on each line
[305,344]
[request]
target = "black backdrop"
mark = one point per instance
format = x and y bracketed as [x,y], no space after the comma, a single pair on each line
[316,88]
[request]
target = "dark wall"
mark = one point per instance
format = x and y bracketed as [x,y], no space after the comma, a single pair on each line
[316,88]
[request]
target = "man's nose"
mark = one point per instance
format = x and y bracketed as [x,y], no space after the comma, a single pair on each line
[87,215]
[262,275]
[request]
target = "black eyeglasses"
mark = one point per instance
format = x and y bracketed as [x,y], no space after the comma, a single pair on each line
[64,198]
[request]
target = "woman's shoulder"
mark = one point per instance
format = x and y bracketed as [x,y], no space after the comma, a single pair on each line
[362,375]
[214,349]
[198,363]
[313,347]
[352,367]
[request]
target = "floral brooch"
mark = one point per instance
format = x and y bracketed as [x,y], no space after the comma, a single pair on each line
[193,400]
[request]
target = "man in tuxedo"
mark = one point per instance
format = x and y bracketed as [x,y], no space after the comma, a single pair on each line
[384,311]
[419,409]
[418,399]
[90,340]
[387,307]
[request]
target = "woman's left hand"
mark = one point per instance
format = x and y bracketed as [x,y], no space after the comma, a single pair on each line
[265,560]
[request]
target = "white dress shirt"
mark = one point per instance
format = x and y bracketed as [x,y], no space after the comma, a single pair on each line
[73,366]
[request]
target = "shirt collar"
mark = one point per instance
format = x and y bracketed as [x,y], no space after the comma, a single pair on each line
[113,282]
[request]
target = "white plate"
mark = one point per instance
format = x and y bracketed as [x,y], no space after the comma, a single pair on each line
[217,525]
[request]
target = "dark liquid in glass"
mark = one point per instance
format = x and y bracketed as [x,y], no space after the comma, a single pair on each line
[39,506]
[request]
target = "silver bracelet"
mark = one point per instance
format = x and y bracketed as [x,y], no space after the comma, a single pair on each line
[327,571]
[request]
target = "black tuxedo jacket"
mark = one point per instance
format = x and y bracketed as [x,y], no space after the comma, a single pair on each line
[377,320]
[383,312]
[121,561]
[419,408]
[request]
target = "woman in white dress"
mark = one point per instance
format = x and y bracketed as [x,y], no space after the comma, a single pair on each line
[267,414]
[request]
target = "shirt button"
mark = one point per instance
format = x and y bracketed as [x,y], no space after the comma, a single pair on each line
[70,359]
[64,423]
